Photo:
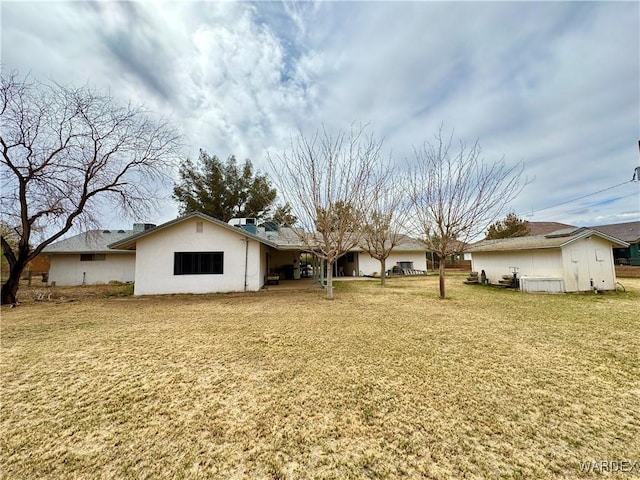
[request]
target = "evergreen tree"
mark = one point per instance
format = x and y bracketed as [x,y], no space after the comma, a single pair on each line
[283,216]
[510,227]
[223,190]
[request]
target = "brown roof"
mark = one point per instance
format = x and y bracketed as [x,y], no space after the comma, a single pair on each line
[629,231]
[544,228]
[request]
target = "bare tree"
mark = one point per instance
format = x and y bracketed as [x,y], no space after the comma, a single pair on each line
[387,215]
[325,178]
[68,154]
[456,194]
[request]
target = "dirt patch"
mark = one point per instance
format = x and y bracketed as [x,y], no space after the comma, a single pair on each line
[42,293]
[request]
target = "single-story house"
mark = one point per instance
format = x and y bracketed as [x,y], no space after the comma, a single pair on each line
[628,232]
[200,254]
[567,260]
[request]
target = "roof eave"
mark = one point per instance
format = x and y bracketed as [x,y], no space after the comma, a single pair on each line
[130,242]
[514,249]
[597,233]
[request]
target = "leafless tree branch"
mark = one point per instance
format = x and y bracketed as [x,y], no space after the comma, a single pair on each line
[326,179]
[456,194]
[69,153]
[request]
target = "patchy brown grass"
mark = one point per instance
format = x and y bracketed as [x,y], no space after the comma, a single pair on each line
[379,383]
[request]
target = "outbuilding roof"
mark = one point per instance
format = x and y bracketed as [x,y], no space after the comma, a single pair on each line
[557,239]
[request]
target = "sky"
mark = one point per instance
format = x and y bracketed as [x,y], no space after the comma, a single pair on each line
[555,85]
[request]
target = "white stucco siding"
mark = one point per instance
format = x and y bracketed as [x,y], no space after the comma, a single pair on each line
[68,270]
[155,260]
[586,260]
[368,265]
[534,263]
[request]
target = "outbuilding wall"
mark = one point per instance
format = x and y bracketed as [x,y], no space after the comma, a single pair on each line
[588,263]
[66,270]
[155,260]
[534,263]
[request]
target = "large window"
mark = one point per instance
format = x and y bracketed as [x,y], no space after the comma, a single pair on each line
[198,263]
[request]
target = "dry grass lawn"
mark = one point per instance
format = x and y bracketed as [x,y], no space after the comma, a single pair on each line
[379,383]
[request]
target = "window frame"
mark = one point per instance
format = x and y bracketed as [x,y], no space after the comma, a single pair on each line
[93,257]
[198,263]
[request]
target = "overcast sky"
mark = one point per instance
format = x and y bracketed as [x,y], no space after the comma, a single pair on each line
[555,85]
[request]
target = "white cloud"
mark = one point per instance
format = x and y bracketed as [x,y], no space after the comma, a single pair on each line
[555,84]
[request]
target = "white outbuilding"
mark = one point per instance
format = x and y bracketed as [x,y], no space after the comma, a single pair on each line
[568,260]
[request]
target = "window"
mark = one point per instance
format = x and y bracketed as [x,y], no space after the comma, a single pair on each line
[198,263]
[92,257]
[199,227]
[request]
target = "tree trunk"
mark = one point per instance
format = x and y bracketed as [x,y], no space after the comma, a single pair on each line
[441,276]
[383,272]
[329,280]
[10,286]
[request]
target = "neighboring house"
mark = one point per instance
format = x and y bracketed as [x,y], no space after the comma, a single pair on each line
[568,260]
[85,259]
[628,232]
[545,228]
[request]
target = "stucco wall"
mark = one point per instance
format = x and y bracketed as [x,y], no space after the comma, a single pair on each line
[535,263]
[155,259]
[587,259]
[67,270]
[368,265]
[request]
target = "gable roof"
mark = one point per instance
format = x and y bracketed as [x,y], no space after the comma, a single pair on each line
[628,231]
[92,241]
[557,239]
[105,241]
[544,228]
[129,243]
[285,238]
